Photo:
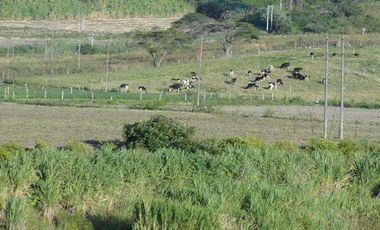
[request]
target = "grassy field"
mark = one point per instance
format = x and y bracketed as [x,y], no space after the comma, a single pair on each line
[361,85]
[58,73]
[254,187]
[59,125]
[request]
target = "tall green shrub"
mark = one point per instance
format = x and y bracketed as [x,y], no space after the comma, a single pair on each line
[157,132]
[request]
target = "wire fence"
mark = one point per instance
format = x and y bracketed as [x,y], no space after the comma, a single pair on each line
[268,124]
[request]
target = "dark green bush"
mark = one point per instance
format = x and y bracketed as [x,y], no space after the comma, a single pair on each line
[157,132]
[86,49]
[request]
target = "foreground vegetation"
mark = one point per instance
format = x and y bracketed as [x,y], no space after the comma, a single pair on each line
[257,187]
[243,184]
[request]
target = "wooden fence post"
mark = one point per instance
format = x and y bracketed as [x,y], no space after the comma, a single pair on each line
[26,91]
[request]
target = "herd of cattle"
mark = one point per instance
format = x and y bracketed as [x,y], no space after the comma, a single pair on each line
[254,83]
[256,78]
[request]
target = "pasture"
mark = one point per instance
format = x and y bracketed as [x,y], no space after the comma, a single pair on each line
[361,85]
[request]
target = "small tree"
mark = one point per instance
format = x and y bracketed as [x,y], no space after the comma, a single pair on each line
[159,43]
[233,31]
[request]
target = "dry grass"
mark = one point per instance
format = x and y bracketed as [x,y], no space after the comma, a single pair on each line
[93,25]
[58,125]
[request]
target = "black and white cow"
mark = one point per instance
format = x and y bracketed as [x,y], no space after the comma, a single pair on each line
[279,83]
[123,87]
[251,85]
[270,86]
[285,65]
[142,89]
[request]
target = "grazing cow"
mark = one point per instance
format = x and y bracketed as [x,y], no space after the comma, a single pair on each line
[270,68]
[270,86]
[251,85]
[264,75]
[303,77]
[186,84]
[232,73]
[296,74]
[333,54]
[322,82]
[298,69]
[312,53]
[124,86]
[285,65]
[194,79]
[356,54]
[279,83]
[175,87]
[8,81]
[142,89]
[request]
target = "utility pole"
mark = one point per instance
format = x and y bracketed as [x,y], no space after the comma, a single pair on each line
[326,82]
[269,17]
[341,134]
[200,72]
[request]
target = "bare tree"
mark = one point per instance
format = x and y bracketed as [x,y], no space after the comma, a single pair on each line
[233,31]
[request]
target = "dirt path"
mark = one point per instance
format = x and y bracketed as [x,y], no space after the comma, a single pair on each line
[27,123]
